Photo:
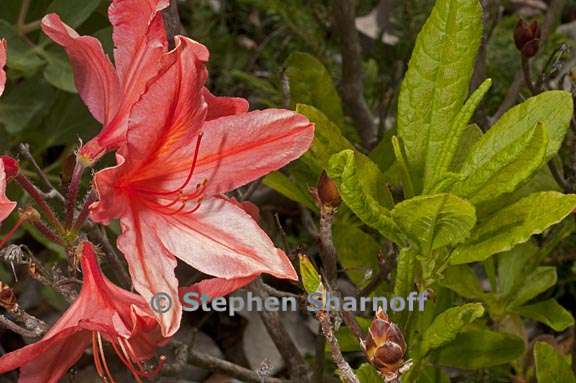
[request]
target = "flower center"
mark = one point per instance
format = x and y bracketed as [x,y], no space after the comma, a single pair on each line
[127,356]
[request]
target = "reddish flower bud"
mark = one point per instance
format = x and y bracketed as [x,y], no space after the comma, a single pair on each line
[327,191]
[11,166]
[527,37]
[385,346]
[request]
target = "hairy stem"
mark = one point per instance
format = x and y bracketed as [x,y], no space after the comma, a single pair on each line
[40,201]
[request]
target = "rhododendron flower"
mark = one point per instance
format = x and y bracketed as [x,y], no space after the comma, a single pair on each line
[167,188]
[110,91]
[3,49]
[6,206]
[102,313]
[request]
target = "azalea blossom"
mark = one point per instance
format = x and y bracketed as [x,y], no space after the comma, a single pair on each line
[110,91]
[6,206]
[3,52]
[167,187]
[103,313]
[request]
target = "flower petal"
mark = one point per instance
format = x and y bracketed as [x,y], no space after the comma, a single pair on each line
[239,149]
[94,74]
[217,287]
[224,106]
[172,110]
[47,360]
[3,49]
[6,206]
[151,267]
[139,39]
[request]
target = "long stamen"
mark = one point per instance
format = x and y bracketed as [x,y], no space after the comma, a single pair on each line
[96,356]
[103,358]
[128,362]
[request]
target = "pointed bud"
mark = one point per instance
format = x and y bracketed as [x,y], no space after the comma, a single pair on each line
[327,191]
[385,346]
[11,166]
[527,37]
[7,298]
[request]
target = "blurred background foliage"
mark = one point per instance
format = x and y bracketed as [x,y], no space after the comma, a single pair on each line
[258,48]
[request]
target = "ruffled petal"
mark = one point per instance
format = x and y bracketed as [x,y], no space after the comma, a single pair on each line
[3,49]
[217,287]
[47,360]
[239,149]
[94,74]
[224,106]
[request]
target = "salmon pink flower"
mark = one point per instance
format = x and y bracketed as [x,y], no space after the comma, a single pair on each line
[102,313]
[6,206]
[110,91]
[167,187]
[3,49]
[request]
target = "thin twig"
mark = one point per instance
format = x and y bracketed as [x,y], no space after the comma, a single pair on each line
[329,260]
[52,191]
[8,324]
[345,371]
[292,357]
[527,72]
[352,72]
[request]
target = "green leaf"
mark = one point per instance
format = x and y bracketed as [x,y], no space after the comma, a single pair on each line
[310,277]
[58,72]
[490,174]
[462,280]
[469,138]
[480,349]
[283,185]
[403,167]
[21,55]
[432,375]
[437,81]
[405,271]
[368,374]
[25,104]
[383,153]
[347,340]
[363,188]
[552,109]
[73,12]
[435,221]
[512,267]
[551,366]
[540,280]
[328,140]
[311,84]
[549,312]
[442,154]
[449,324]
[513,225]
[357,253]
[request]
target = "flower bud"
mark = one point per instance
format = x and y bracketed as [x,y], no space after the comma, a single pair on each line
[11,166]
[7,297]
[327,191]
[527,37]
[385,346]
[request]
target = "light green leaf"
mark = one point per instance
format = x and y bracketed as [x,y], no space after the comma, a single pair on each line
[439,160]
[513,225]
[283,185]
[551,366]
[368,374]
[310,277]
[383,153]
[328,139]
[403,167]
[435,221]
[462,280]
[480,349]
[347,340]
[549,312]
[491,174]
[512,267]
[405,271]
[432,375]
[437,81]
[449,324]
[363,188]
[540,280]
[471,136]
[357,253]
[552,109]
[311,84]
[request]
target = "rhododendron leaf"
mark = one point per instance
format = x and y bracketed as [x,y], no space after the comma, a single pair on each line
[513,267]
[549,312]
[480,349]
[471,135]
[441,153]
[448,324]
[310,278]
[540,280]
[462,280]
[432,222]
[367,374]
[551,366]
[513,225]
[363,188]
[357,252]
[58,71]
[21,56]
[311,84]
[289,189]
[493,173]
[436,84]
